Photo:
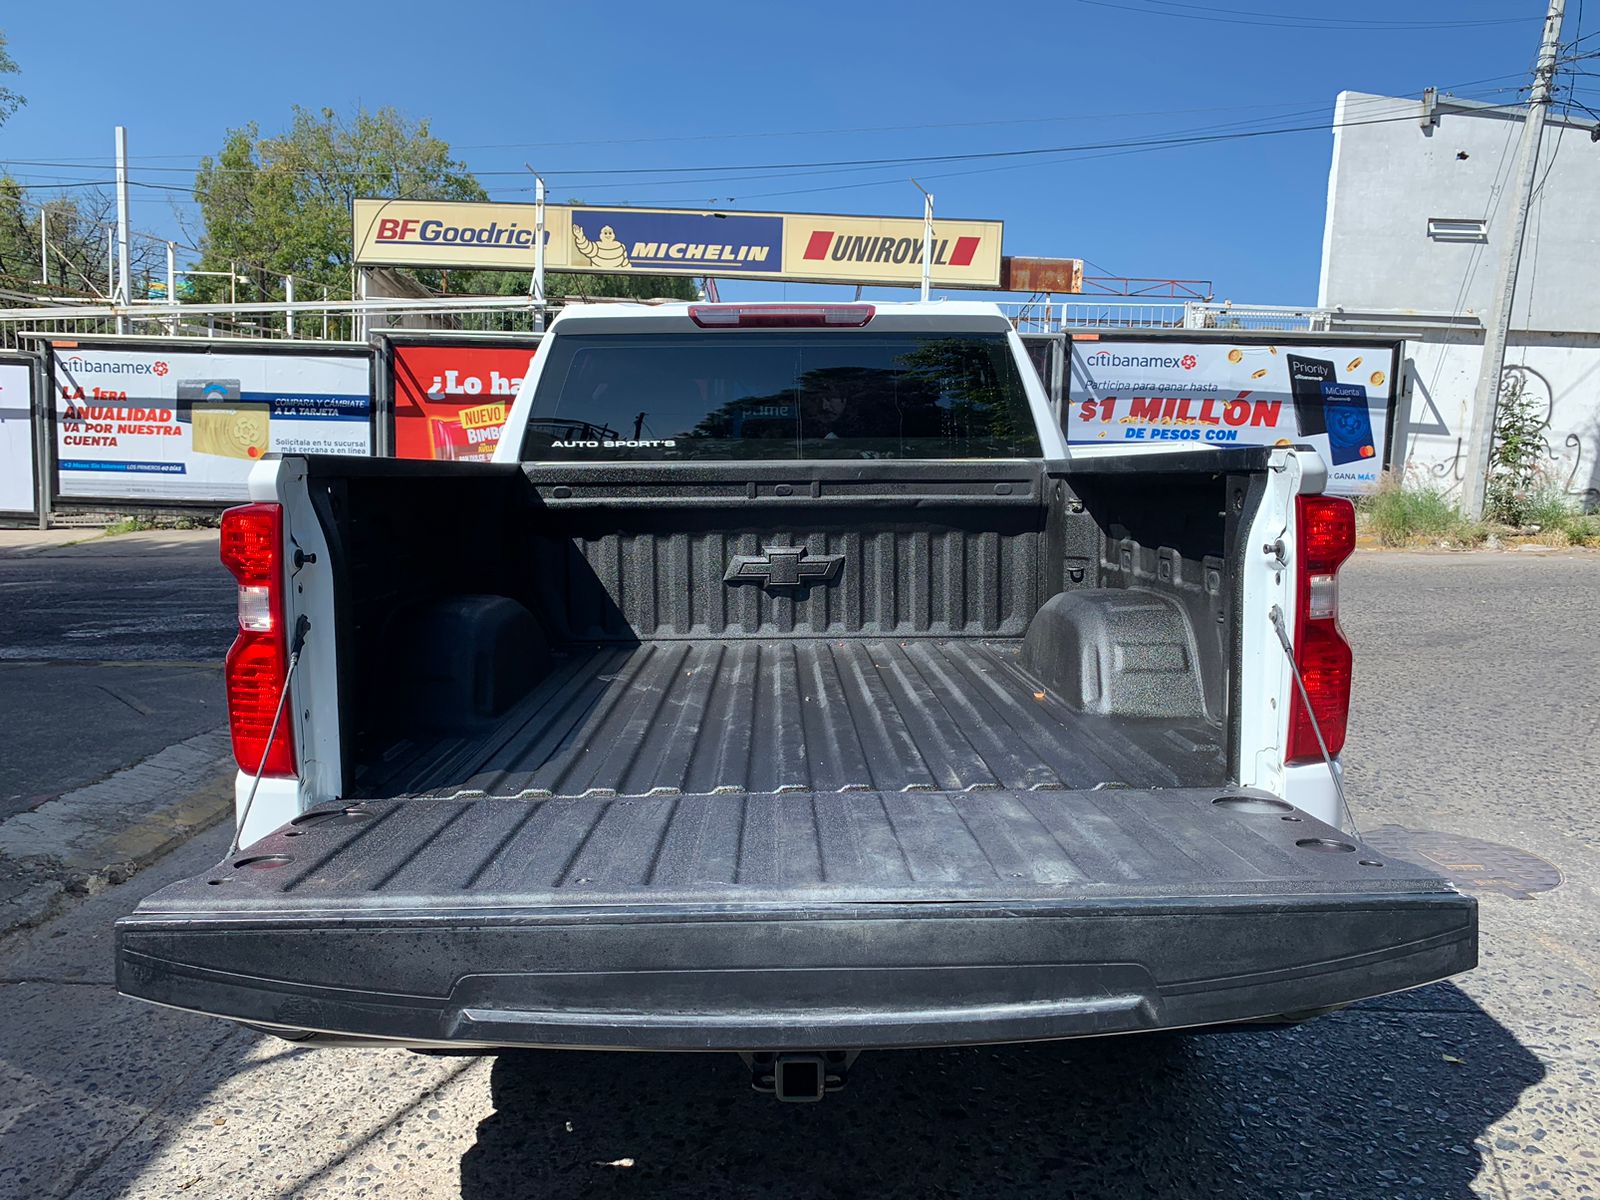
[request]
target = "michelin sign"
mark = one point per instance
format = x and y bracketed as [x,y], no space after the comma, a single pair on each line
[658,241]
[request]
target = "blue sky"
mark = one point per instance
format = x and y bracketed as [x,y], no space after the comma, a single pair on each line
[586,92]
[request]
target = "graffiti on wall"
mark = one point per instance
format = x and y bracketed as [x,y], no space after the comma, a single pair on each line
[1572,460]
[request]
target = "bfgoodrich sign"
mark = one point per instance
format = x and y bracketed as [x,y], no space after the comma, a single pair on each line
[810,247]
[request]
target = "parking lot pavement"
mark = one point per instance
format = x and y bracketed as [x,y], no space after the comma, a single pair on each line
[1476,713]
[110,656]
[110,650]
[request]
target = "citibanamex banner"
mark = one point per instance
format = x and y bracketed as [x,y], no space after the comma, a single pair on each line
[785,246]
[450,399]
[1337,398]
[155,424]
[17,494]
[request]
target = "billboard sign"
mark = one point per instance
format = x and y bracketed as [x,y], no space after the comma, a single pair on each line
[18,492]
[158,423]
[622,240]
[1336,397]
[450,398]
[803,247]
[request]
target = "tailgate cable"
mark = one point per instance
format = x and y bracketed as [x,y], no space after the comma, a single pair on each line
[1316,726]
[301,628]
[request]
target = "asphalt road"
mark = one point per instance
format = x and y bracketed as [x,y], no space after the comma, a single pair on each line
[110,650]
[1478,700]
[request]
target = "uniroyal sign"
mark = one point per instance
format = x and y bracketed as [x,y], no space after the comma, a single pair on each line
[806,247]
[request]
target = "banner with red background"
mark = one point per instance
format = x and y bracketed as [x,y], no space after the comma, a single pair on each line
[450,398]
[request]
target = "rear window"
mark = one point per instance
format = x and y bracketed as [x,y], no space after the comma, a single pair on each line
[832,394]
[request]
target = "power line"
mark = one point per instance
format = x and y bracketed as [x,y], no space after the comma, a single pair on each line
[977,156]
[1039,157]
[1044,156]
[93,161]
[1291,21]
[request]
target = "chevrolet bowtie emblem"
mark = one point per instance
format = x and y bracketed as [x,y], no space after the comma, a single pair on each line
[783,566]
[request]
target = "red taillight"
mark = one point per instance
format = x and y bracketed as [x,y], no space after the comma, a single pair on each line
[781,316]
[258,661]
[1325,537]
[1327,532]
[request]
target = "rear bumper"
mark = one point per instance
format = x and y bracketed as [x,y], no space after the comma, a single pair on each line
[839,976]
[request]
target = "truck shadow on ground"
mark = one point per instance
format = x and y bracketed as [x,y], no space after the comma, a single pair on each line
[1364,1103]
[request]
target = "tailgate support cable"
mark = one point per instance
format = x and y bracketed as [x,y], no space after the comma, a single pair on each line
[1316,726]
[301,628]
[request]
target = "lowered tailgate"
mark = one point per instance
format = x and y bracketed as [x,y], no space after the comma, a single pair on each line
[792,920]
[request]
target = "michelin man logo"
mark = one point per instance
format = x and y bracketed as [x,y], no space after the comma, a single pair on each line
[605,251]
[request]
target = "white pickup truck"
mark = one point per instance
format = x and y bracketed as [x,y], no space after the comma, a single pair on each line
[787,686]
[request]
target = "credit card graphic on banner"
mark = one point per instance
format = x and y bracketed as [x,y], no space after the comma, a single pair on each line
[1307,377]
[222,423]
[1160,392]
[205,392]
[1349,422]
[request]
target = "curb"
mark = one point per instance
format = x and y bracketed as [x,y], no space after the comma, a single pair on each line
[89,839]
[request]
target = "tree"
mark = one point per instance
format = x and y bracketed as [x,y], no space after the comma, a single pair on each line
[75,226]
[9,101]
[562,283]
[281,205]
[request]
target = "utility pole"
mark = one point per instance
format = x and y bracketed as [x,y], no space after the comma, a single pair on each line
[536,284]
[1486,398]
[44,245]
[125,287]
[172,285]
[927,237]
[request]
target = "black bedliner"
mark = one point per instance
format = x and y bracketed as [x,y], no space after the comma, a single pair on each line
[791,921]
[798,715]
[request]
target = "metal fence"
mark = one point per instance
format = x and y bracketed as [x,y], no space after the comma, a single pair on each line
[1056,316]
[311,320]
[356,320]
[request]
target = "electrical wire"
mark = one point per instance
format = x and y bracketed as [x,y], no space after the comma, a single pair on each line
[1362,21]
[1290,21]
[92,160]
[579,176]
[1410,115]
[1491,205]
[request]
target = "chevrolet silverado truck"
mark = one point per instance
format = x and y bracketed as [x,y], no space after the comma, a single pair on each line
[787,686]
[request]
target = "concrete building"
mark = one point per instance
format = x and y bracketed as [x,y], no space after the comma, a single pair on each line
[1418,203]
[1419,200]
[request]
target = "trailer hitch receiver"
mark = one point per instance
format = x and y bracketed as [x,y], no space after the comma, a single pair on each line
[800,1078]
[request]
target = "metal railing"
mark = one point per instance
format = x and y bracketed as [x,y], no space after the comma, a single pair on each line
[310,320]
[1056,316]
[1264,317]
[355,320]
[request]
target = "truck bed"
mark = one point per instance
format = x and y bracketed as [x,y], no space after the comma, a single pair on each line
[797,715]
